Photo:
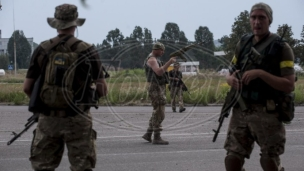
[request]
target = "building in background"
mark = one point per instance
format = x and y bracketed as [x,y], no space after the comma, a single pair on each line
[187,68]
[4,43]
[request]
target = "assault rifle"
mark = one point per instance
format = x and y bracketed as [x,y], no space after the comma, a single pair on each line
[233,96]
[184,87]
[180,53]
[107,75]
[30,122]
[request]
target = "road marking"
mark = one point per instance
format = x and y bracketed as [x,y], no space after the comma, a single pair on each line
[194,135]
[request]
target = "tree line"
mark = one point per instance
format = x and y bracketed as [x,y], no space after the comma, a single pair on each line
[132,50]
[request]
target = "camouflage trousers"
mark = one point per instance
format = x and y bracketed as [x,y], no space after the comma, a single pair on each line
[157,94]
[176,93]
[255,125]
[53,133]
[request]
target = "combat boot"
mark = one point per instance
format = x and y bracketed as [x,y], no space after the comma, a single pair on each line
[158,140]
[233,163]
[147,136]
[269,164]
[182,109]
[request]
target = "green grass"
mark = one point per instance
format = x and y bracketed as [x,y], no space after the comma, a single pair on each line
[128,87]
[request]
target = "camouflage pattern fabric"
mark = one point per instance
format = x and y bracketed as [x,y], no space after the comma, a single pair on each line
[158,45]
[65,16]
[52,133]
[176,92]
[157,94]
[255,125]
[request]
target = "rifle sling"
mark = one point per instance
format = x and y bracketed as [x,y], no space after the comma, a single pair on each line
[261,46]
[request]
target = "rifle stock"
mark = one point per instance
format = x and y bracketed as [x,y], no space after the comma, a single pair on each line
[180,53]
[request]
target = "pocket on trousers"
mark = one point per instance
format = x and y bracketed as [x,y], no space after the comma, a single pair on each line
[93,150]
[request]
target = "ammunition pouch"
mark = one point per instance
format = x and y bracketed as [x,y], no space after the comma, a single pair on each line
[285,107]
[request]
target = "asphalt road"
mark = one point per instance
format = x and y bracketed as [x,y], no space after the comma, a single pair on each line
[121,148]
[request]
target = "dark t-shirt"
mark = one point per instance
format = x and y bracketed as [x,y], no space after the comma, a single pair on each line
[175,74]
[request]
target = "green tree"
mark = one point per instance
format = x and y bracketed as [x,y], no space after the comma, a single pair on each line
[113,44]
[104,50]
[299,49]
[288,34]
[4,62]
[173,39]
[137,34]
[302,35]
[134,55]
[202,34]
[240,27]
[148,41]
[171,33]
[205,54]
[115,37]
[182,38]
[23,49]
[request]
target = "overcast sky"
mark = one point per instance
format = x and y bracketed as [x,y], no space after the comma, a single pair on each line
[105,15]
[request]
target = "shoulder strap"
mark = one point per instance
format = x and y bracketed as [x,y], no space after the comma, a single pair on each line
[50,44]
[71,41]
[244,41]
[267,42]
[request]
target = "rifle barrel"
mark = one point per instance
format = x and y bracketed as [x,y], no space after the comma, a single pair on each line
[18,135]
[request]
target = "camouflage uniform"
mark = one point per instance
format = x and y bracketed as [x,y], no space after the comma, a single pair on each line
[176,90]
[59,127]
[177,93]
[53,132]
[157,94]
[257,124]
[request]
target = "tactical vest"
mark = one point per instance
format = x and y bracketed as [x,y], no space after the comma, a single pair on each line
[152,76]
[57,91]
[257,91]
[175,74]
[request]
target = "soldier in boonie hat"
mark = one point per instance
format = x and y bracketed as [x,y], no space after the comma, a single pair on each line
[158,45]
[65,16]
[64,52]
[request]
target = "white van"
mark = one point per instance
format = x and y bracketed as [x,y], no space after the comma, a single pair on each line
[2,72]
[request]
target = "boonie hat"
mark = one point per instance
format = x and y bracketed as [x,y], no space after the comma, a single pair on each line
[65,16]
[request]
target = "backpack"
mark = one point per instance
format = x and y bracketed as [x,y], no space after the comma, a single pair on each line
[57,89]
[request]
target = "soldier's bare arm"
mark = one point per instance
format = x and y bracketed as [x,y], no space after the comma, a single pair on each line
[152,62]
[28,86]
[285,83]
[101,87]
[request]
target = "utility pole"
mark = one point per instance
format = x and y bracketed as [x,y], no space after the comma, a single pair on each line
[15,66]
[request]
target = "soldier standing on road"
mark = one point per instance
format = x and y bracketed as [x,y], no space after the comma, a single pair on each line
[157,79]
[70,126]
[176,87]
[260,123]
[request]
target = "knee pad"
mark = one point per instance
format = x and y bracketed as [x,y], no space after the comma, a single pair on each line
[269,163]
[234,163]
